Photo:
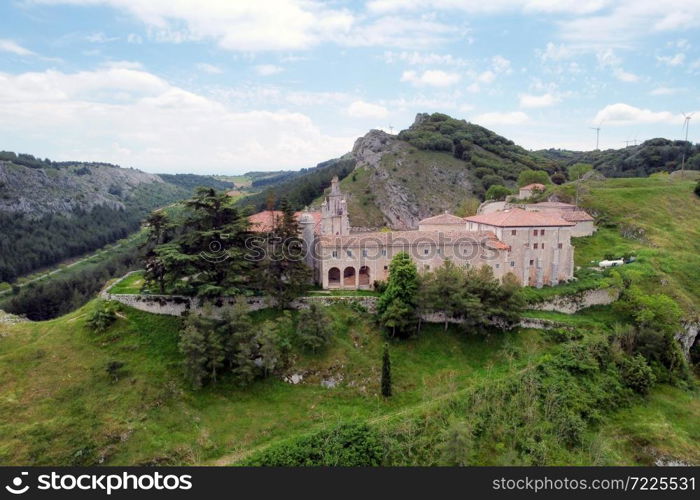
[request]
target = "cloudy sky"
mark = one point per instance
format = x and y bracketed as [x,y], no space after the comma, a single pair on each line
[226,86]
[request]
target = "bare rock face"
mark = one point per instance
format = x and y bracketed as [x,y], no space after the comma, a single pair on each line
[39,191]
[368,150]
[688,336]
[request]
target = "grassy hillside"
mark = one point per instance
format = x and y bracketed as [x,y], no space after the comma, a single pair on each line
[654,218]
[58,405]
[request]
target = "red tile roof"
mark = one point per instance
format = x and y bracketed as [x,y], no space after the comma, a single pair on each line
[403,238]
[517,217]
[264,222]
[443,219]
[576,216]
[553,204]
[536,185]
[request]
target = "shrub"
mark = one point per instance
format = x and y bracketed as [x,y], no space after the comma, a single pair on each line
[102,317]
[347,445]
[636,374]
[497,192]
[697,189]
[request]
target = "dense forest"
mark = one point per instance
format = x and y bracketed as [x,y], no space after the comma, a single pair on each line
[193,181]
[301,189]
[58,295]
[30,243]
[652,156]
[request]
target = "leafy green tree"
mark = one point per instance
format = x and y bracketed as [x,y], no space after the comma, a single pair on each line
[498,192]
[533,177]
[578,170]
[284,274]
[154,266]
[697,189]
[467,207]
[313,328]
[397,305]
[386,372]
[558,178]
[458,445]
[441,291]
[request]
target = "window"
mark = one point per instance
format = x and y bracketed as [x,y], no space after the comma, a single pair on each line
[559,245]
[532,262]
[384,252]
[535,245]
[425,251]
[349,253]
[439,251]
[386,267]
[542,246]
[512,263]
[498,266]
[535,232]
[364,252]
[513,232]
[335,254]
[541,232]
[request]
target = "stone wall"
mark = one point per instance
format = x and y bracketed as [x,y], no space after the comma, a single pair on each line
[569,304]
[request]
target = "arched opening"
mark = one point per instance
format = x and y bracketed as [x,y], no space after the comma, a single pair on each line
[364,276]
[349,277]
[334,276]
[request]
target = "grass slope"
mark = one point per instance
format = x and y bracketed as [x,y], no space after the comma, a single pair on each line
[59,406]
[655,218]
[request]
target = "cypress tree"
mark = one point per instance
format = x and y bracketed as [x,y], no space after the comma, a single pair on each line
[386,372]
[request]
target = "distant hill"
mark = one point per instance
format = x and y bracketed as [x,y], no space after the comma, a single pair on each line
[51,211]
[652,156]
[438,162]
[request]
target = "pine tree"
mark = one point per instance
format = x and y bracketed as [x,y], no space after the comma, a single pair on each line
[193,347]
[285,275]
[386,372]
[313,328]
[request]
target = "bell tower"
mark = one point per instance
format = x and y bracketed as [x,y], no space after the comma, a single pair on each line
[334,213]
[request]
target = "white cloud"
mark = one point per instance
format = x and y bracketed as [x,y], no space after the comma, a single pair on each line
[624,114]
[494,6]
[625,76]
[424,58]
[274,24]
[554,52]
[209,68]
[134,38]
[14,48]
[132,117]
[664,91]
[100,37]
[674,60]
[538,101]
[268,69]
[495,118]
[487,76]
[362,109]
[431,78]
[500,64]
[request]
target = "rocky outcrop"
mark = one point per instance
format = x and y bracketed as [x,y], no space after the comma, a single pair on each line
[569,304]
[39,191]
[688,335]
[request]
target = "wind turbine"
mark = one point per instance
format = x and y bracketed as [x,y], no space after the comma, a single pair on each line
[686,124]
[597,134]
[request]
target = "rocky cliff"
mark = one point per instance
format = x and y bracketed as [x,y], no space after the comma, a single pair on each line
[39,191]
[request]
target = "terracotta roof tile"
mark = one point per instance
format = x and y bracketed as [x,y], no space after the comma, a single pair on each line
[576,216]
[443,219]
[264,222]
[403,238]
[517,217]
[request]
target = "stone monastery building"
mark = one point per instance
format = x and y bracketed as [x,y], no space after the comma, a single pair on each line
[533,245]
